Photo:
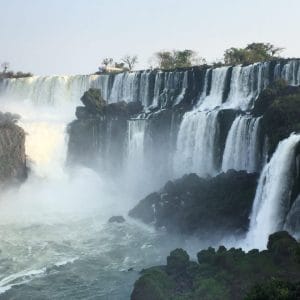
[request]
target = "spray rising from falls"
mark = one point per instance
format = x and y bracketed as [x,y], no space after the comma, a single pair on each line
[272,199]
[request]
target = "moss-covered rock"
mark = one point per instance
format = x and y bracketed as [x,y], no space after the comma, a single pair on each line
[12,150]
[227,274]
[279,105]
[93,101]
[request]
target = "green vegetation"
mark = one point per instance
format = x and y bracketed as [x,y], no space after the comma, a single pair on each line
[127,63]
[274,290]
[172,59]
[252,53]
[178,59]
[280,106]
[226,274]
[5,73]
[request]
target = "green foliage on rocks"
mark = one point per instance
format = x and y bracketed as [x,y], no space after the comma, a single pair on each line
[227,274]
[280,106]
[252,53]
[274,289]
[168,60]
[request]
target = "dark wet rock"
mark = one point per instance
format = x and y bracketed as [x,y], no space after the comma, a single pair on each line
[193,204]
[293,217]
[97,138]
[223,274]
[93,101]
[279,106]
[12,150]
[116,219]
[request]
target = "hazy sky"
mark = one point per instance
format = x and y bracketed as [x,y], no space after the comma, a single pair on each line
[72,36]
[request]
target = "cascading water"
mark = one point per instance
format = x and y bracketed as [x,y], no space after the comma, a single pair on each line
[272,199]
[215,96]
[136,139]
[196,144]
[242,145]
[53,228]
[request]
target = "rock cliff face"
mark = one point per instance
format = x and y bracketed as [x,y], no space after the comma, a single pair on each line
[12,150]
[97,138]
[193,204]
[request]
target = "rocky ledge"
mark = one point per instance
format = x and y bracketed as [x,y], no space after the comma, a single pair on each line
[100,131]
[12,150]
[193,204]
[226,274]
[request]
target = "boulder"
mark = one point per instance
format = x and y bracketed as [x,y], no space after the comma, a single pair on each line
[93,101]
[116,219]
[193,204]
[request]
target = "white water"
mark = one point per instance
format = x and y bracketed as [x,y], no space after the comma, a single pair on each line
[57,216]
[196,144]
[272,198]
[136,141]
[215,96]
[242,145]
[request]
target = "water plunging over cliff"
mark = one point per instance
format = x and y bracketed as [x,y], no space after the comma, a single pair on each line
[135,164]
[197,143]
[242,145]
[272,199]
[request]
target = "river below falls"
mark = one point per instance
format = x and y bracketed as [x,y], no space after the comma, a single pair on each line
[80,259]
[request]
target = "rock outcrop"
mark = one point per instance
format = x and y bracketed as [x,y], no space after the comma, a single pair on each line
[97,137]
[193,204]
[12,150]
[226,274]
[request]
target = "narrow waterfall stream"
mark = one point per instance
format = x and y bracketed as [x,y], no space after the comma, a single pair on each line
[272,199]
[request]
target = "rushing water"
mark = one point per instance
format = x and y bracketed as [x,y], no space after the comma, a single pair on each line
[272,199]
[242,145]
[55,242]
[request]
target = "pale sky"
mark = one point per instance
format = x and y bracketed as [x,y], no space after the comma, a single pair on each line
[73,36]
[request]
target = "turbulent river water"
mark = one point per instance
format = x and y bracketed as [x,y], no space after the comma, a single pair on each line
[55,241]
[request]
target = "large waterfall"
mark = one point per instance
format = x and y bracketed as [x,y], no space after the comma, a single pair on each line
[195,120]
[272,199]
[228,88]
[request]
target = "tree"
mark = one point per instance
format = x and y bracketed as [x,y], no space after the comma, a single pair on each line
[5,66]
[130,61]
[178,59]
[107,61]
[252,53]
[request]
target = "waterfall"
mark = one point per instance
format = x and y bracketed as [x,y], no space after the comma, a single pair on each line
[242,145]
[272,199]
[246,84]
[215,96]
[197,144]
[291,72]
[136,139]
[54,90]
